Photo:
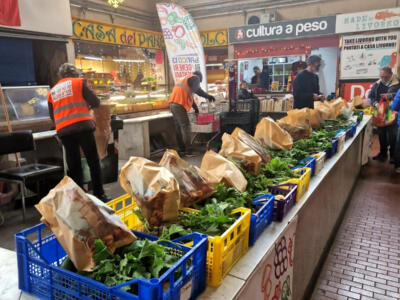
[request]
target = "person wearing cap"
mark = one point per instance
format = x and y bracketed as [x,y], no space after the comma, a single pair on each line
[181,102]
[70,101]
[306,85]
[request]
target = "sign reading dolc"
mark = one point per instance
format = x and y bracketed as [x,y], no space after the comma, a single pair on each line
[282,30]
[214,38]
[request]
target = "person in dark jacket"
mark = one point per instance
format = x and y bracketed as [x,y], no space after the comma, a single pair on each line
[306,84]
[244,92]
[70,101]
[264,78]
[387,84]
[256,78]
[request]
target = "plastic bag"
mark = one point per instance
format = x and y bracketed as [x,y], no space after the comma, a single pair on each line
[235,149]
[383,114]
[297,123]
[252,142]
[78,220]
[224,170]
[192,186]
[154,188]
[272,136]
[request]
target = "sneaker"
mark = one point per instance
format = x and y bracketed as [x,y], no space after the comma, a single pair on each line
[380,157]
[397,170]
[104,198]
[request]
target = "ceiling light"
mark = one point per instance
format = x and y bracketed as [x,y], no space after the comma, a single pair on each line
[92,58]
[215,65]
[129,60]
[115,3]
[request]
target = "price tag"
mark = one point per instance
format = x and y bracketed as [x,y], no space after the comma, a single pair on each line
[186,291]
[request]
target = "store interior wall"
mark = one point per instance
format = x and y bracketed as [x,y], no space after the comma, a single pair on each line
[48,57]
[328,72]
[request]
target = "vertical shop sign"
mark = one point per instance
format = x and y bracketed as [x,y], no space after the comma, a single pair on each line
[368,20]
[364,55]
[182,40]
[273,278]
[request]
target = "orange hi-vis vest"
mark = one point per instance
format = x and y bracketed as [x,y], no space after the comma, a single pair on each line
[69,106]
[182,93]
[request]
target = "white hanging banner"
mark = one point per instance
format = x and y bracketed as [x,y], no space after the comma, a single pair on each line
[182,40]
[273,278]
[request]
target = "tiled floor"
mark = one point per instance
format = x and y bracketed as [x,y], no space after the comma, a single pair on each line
[364,261]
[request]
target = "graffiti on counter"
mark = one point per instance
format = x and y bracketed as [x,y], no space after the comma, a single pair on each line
[266,282]
[110,34]
[281,258]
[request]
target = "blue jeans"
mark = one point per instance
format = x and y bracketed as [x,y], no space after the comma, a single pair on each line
[397,149]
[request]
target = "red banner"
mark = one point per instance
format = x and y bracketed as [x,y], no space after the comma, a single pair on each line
[9,13]
[351,89]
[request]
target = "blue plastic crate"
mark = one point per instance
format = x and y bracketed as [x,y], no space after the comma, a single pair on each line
[308,162]
[40,274]
[351,131]
[262,218]
[332,151]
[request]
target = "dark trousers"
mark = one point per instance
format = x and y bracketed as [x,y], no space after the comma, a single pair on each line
[387,138]
[182,126]
[72,144]
[397,149]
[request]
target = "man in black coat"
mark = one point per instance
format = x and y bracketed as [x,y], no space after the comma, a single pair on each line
[306,84]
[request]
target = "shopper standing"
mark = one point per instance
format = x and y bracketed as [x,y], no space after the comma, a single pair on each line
[306,84]
[181,101]
[256,78]
[387,84]
[396,107]
[264,78]
[70,101]
[244,93]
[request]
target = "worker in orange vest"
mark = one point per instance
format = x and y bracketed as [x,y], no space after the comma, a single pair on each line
[181,101]
[70,101]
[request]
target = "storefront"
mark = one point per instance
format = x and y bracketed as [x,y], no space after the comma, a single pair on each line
[125,67]
[369,42]
[215,45]
[294,42]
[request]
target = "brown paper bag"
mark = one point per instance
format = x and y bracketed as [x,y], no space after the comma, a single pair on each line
[297,123]
[337,106]
[102,133]
[272,136]
[210,178]
[192,186]
[224,170]
[238,151]
[325,110]
[78,219]
[154,188]
[315,119]
[252,142]
[357,101]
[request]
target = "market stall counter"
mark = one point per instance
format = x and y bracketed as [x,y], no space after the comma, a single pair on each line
[288,254]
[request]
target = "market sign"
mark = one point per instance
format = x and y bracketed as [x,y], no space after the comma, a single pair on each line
[363,56]
[349,90]
[282,30]
[111,34]
[368,20]
[214,38]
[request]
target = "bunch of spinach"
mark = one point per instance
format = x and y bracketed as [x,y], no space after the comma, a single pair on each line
[319,140]
[141,259]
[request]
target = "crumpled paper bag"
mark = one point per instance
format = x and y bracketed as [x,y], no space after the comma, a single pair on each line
[78,219]
[192,186]
[238,151]
[252,142]
[297,123]
[224,170]
[315,119]
[102,133]
[272,136]
[154,188]
[325,110]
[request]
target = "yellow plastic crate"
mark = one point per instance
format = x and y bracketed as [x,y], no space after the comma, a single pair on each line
[302,181]
[320,161]
[124,207]
[223,251]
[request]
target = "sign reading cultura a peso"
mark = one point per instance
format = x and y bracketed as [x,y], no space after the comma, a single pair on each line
[283,30]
